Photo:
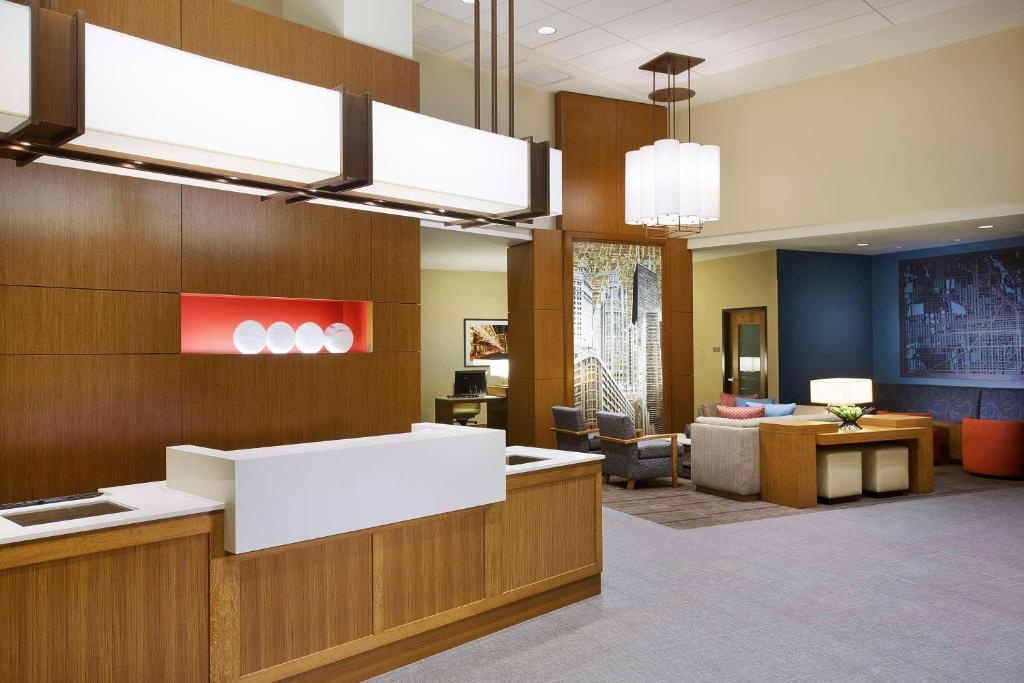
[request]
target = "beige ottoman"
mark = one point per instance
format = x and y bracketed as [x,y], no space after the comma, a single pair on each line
[886,469]
[839,474]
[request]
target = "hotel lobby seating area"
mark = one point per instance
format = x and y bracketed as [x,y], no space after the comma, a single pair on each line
[511,340]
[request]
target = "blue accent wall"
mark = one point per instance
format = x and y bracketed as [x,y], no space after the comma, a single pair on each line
[825,319]
[886,314]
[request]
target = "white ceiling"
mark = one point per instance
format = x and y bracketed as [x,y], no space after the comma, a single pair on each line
[887,241]
[600,43]
[456,250]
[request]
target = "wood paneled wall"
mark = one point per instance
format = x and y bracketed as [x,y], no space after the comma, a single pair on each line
[91,265]
[594,134]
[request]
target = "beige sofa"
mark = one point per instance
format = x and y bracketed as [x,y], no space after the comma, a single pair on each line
[725,455]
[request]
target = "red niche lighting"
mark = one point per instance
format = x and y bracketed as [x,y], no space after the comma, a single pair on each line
[225,324]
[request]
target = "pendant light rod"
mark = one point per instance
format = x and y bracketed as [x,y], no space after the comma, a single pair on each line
[476,64]
[511,69]
[494,66]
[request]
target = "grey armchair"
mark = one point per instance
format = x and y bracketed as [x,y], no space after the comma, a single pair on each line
[632,456]
[572,433]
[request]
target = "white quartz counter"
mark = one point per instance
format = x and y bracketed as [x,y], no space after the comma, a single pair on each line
[148,502]
[547,459]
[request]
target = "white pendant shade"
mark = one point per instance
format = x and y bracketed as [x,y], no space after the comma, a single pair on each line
[672,184]
[16,63]
[151,103]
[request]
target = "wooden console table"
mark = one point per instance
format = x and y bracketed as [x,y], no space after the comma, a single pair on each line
[789,453]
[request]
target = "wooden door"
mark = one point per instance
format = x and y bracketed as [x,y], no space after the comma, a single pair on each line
[746,351]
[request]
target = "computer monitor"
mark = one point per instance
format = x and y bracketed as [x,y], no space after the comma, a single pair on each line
[470,382]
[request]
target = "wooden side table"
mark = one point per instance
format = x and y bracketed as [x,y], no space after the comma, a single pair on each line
[789,453]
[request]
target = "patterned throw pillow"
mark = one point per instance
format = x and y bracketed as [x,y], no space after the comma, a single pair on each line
[730,399]
[746,413]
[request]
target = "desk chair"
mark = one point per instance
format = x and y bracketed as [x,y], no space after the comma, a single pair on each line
[632,456]
[463,413]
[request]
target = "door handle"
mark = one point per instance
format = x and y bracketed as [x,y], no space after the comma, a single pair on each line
[730,379]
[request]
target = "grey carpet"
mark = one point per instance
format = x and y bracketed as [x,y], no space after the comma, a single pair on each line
[929,589]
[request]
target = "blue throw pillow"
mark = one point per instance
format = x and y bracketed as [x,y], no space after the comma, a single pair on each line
[780,410]
[755,401]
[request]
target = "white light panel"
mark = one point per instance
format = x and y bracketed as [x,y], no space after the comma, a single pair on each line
[16,58]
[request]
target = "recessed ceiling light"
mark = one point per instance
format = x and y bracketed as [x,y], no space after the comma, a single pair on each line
[468,2]
[863,244]
[899,246]
[985,227]
[957,239]
[546,30]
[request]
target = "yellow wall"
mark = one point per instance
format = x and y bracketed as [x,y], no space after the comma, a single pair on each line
[447,297]
[746,281]
[931,131]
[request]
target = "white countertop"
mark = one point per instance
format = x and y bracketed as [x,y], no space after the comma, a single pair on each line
[552,459]
[149,502]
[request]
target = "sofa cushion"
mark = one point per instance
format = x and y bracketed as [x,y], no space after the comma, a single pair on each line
[779,410]
[725,399]
[741,401]
[744,413]
[752,423]
[662,448]
[1001,404]
[951,404]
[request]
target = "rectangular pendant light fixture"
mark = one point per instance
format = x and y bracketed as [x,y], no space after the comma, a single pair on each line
[138,108]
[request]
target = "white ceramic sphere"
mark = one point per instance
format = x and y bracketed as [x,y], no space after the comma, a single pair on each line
[339,338]
[310,338]
[249,337]
[280,338]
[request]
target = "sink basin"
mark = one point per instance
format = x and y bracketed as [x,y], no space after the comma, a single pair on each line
[63,514]
[522,459]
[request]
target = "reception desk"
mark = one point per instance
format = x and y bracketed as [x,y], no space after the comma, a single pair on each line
[166,595]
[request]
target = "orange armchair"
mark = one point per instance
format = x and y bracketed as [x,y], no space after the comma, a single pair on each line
[994,448]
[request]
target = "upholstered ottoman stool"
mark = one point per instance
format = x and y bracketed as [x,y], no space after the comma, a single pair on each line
[886,470]
[839,474]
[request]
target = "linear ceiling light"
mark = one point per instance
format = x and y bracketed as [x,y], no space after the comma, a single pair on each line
[132,107]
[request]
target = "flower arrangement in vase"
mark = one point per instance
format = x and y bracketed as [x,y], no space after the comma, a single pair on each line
[849,415]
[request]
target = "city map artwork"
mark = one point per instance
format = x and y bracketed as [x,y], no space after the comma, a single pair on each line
[962,316]
[617,331]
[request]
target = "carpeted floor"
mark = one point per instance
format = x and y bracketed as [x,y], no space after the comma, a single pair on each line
[924,589]
[685,508]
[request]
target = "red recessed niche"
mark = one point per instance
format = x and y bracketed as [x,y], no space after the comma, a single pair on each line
[227,324]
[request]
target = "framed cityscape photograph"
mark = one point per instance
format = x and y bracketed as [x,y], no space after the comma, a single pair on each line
[486,341]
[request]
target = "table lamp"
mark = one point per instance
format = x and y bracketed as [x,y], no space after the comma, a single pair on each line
[841,395]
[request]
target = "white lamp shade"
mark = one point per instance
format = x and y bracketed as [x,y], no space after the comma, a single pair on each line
[249,337]
[309,338]
[16,60]
[689,183]
[280,338]
[841,391]
[710,182]
[647,187]
[634,179]
[339,337]
[666,178]
[555,182]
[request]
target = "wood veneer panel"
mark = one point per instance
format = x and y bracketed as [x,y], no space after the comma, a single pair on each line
[227,32]
[52,320]
[680,279]
[396,327]
[535,344]
[236,244]
[550,530]
[395,258]
[789,469]
[132,614]
[74,423]
[67,228]
[155,20]
[395,80]
[680,343]
[681,412]
[395,388]
[431,566]
[354,67]
[584,126]
[547,269]
[304,600]
[231,402]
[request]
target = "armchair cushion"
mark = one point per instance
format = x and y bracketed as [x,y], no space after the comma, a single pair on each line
[662,448]
[994,447]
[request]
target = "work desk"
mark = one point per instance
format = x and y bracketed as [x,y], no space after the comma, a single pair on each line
[789,453]
[497,409]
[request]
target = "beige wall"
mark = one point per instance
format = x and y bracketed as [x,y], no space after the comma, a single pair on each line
[446,92]
[447,297]
[931,131]
[735,282]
